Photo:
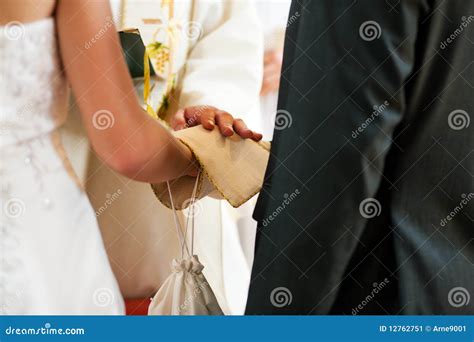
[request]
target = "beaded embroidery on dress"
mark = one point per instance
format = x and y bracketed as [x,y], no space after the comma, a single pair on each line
[52,259]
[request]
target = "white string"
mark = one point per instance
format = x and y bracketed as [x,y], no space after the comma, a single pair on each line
[179,230]
[191,212]
[193,207]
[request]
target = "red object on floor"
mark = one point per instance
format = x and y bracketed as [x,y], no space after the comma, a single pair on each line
[137,307]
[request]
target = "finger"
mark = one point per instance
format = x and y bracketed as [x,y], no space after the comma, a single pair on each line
[207,117]
[191,115]
[200,115]
[225,122]
[269,87]
[241,129]
[265,89]
[256,136]
[178,121]
[272,56]
[272,74]
[272,68]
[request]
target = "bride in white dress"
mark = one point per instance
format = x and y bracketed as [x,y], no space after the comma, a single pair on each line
[52,260]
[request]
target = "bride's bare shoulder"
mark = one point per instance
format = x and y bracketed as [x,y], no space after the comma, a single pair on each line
[25,10]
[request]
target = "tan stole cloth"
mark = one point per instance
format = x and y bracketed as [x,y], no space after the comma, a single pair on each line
[232,168]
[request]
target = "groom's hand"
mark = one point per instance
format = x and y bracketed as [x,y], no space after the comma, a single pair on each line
[209,117]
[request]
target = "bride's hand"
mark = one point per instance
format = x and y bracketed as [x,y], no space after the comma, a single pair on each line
[209,117]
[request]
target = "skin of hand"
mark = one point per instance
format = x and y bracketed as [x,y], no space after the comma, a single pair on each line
[132,143]
[272,71]
[209,117]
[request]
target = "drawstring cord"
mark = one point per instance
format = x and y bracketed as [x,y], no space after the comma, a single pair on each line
[191,212]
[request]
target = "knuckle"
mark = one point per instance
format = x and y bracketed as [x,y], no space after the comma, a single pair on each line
[228,117]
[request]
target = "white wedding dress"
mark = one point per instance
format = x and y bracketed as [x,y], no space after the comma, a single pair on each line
[52,259]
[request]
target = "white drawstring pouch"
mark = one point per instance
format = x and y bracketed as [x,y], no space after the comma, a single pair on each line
[186,291]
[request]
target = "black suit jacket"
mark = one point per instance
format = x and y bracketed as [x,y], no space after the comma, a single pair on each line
[368,202]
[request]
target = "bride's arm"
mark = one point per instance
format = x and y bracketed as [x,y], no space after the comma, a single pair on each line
[120,131]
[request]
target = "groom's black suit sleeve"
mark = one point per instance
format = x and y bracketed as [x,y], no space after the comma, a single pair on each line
[349,88]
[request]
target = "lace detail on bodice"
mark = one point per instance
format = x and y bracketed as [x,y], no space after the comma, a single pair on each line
[32,86]
[46,221]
